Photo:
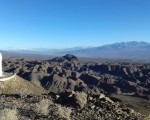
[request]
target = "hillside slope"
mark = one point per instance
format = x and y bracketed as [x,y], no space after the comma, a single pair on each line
[19,86]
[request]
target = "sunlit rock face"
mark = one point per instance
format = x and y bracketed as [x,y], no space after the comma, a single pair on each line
[1,73]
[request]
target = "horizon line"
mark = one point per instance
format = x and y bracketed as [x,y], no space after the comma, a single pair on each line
[74,47]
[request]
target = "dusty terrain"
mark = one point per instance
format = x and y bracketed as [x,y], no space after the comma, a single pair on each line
[64,106]
[126,84]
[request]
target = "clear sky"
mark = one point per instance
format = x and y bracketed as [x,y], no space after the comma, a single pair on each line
[71,23]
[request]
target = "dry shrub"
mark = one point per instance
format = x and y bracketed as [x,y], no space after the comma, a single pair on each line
[81,99]
[8,114]
[43,106]
[62,112]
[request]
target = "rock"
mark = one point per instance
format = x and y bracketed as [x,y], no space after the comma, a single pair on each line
[130,111]
[55,83]
[35,78]
[109,100]
[57,69]
[101,96]
[93,106]
[118,91]
[75,75]
[90,98]
[48,107]
[70,57]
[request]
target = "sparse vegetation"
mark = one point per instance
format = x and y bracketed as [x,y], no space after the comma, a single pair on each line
[48,107]
[81,99]
[64,112]
[8,114]
[43,106]
[61,112]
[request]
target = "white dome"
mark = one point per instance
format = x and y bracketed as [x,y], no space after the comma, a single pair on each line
[0,56]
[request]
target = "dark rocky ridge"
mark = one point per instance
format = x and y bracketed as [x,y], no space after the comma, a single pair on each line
[69,73]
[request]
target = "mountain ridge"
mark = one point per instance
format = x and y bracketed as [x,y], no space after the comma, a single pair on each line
[123,50]
[132,50]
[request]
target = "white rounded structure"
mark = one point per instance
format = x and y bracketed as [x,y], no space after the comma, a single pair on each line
[8,78]
[1,72]
[5,76]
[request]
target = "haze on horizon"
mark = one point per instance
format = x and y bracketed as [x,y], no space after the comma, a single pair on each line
[32,24]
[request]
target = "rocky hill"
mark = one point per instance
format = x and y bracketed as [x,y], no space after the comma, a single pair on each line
[64,106]
[68,72]
[127,83]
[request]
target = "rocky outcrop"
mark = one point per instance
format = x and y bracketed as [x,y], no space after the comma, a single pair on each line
[69,73]
[90,82]
[66,58]
[79,106]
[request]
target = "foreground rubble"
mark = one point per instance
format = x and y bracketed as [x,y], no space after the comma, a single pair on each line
[64,106]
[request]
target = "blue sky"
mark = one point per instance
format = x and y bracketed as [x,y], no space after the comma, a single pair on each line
[31,24]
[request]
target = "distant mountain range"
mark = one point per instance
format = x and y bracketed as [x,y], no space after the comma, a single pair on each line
[123,50]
